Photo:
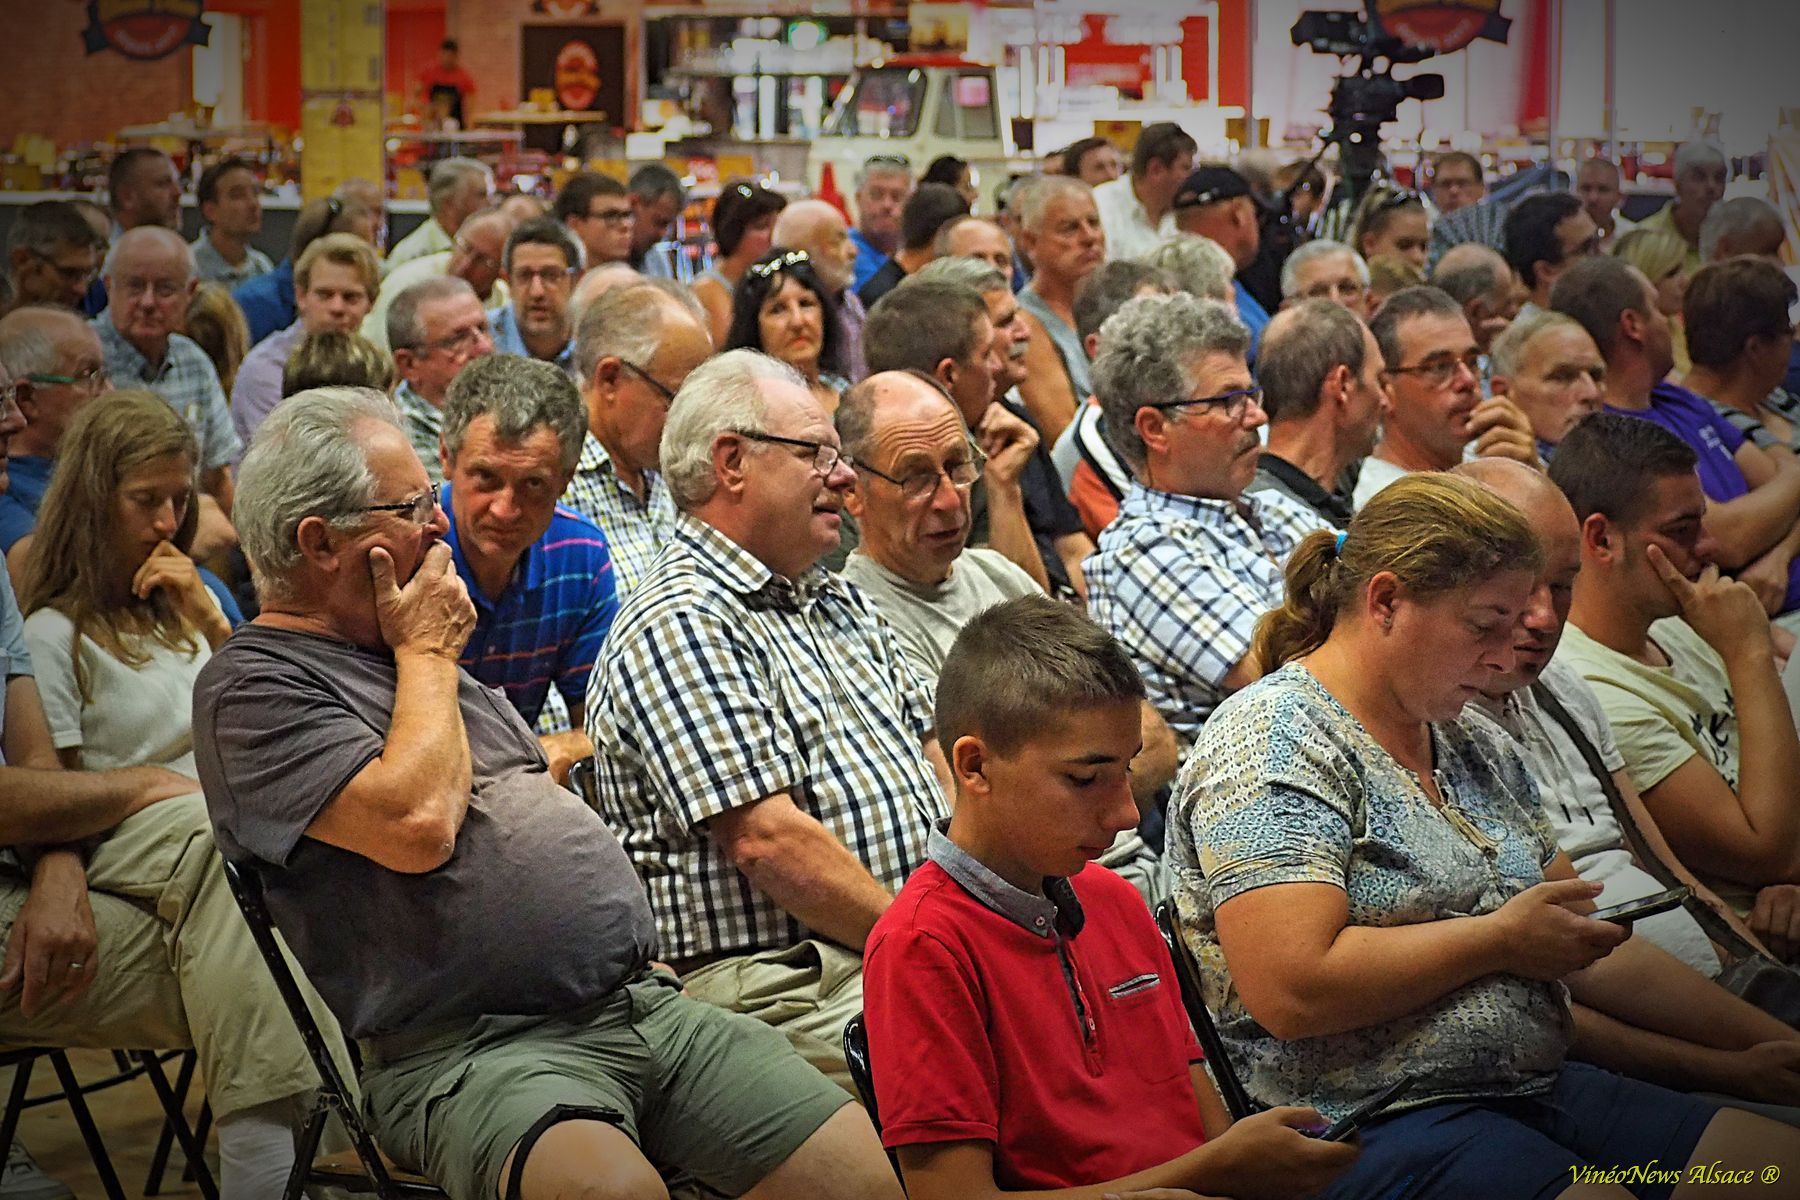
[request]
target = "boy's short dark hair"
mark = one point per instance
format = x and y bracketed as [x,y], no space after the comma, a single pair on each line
[1161,143]
[1608,462]
[1019,665]
[926,211]
[207,190]
[1728,303]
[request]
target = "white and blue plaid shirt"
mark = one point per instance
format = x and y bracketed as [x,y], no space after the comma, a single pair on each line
[185,379]
[722,684]
[1181,581]
[636,530]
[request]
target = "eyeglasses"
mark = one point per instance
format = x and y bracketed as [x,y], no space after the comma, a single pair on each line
[456,343]
[487,261]
[420,510]
[824,458]
[72,276]
[163,289]
[662,389]
[793,258]
[1232,403]
[612,216]
[1440,370]
[91,380]
[919,486]
[524,277]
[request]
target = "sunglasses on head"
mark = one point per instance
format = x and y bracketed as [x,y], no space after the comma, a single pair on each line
[792,258]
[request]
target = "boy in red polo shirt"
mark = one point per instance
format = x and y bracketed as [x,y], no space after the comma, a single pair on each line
[1025,1027]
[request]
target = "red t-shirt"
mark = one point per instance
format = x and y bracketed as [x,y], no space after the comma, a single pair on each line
[974,1034]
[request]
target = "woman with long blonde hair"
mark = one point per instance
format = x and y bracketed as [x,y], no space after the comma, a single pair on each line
[117,617]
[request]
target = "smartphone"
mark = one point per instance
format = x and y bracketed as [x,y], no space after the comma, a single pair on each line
[1649,906]
[1348,1124]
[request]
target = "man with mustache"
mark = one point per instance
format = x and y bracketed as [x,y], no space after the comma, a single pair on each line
[1191,563]
[540,262]
[765,751]
[1432,410]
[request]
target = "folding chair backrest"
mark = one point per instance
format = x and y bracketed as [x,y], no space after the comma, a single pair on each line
[1187,974]
[584,781]
[246,886]
[862,1074]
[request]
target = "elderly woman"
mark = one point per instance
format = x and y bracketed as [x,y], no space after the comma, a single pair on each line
[1366,876]
[743,224]
[782,309]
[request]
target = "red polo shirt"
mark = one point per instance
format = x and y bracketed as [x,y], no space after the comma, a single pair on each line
[978,1033]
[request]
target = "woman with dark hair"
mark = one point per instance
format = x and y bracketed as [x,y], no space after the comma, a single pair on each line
[954,172]
[743,223]
[782,309]
[117,616]
[1368,881]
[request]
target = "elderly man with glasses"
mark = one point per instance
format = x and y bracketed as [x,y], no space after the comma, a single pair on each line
[765,749]
[635,347]
[53,254]
[475,254]
[495,964]
[436,328]
[1432,412]
[56,364]
[1192,561]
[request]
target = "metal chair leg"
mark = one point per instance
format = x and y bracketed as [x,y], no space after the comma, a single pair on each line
[15,1102]
[306,1147]
[159,1159]
[84,1120]
[179,1126]
[202,1127]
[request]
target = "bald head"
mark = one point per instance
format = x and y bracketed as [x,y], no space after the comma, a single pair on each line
[1549,513]
[1525,488]
[150,243]
[42,340]
[150,278]
[1481,280]
[819,229]
[599,281]
[906,428]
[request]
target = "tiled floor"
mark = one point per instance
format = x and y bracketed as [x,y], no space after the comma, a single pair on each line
[129,1119]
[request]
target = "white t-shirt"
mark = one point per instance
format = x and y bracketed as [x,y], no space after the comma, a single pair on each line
[1575,803]
[1129,233]
[1376,474]
[139,716]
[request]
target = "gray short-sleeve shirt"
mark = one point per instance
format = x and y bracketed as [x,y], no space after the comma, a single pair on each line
[537,911]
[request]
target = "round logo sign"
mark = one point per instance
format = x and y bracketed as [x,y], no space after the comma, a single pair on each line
[144,29]
[577,76]
[1443,25]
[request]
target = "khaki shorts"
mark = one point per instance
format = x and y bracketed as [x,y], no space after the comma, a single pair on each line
[704,1093]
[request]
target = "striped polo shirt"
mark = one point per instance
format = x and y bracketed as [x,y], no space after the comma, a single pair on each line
[548,624]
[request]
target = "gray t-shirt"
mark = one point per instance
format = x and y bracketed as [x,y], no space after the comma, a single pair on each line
[927,619]
[537,911]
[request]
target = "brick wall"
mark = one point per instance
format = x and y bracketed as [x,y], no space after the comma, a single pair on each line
[54,89]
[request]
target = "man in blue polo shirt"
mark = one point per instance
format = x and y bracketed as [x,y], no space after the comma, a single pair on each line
[538,573]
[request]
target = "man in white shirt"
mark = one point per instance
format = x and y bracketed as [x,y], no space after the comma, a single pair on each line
[1137,210]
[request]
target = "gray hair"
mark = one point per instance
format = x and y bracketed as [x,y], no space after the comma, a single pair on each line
[723,394]
[974,273]
[1472,280]
[1299,349]
[307,460]
[1198,265]
[652,181]
[1110,285]
[449,177]
[1737,219]
[404,329]
[520,394]
[1033,198]
[1147,351]
[628,323]
[880,164]
[1692,156]
[131,237]
[1507,354]
[1317,248]
[26,346]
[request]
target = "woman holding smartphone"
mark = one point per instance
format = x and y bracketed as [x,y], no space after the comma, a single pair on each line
[1372,892]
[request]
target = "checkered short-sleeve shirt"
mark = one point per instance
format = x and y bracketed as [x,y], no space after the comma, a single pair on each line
[636,530]
[722,684]
[185,379]
[1182,581]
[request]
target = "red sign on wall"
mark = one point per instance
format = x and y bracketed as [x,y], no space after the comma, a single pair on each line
[144,29]
[1443,25]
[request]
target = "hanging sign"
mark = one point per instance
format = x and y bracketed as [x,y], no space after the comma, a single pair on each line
[1443,25]
[144,29]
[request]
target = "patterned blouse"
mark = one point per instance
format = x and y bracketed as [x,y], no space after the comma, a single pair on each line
[1285,786]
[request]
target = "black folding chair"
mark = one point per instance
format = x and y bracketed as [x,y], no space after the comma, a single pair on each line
[1187,973]
[362,1170]
[584,781]
[862,1074]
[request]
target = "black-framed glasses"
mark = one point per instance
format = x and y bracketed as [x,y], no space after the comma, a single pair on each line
[91,380]
[1231,403]
[1440,370]
[662,389]
[420,510]
[918,486]
[612,216]
[456,343]
[824,458]
[793,258]
[80,276]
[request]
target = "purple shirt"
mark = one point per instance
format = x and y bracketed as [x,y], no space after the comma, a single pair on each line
[1715,441]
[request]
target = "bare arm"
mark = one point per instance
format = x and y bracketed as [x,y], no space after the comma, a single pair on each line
[406,807]
[1046,391]
[1158,760]
[796,862]
[1659,849]
[216,482]
[934,757]
[1215,1118]
[1073,549]
[1009,444]
[1769,1071]
[1748,525]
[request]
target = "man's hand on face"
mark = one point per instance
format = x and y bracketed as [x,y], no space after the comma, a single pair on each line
[432,614]
[1725,613]
[1008,443]
[1500,429]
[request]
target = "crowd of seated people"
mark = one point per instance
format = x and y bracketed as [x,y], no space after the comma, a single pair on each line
[925,597]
